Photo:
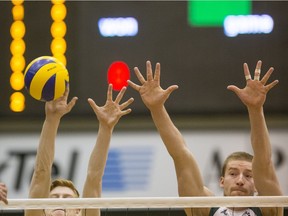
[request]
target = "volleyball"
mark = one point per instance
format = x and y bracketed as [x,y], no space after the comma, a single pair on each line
[46,78]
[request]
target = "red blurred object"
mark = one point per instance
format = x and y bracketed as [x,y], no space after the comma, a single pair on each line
[118,74]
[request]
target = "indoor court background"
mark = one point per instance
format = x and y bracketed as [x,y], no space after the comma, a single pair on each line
[201,59]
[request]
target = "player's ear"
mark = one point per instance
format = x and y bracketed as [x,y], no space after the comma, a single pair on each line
[221,182]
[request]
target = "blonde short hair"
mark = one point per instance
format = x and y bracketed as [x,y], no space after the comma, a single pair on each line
[64,183]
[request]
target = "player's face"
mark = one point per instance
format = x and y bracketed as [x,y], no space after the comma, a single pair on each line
[62,192]
[238,179]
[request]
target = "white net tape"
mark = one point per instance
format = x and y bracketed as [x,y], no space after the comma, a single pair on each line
[147,202]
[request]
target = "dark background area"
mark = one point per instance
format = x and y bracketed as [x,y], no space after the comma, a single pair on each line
[201,60]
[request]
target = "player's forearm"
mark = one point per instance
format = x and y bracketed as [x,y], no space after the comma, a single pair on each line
[263,170]
[46,148]
[41,179]
[259,134]
[97,162]
[170,135]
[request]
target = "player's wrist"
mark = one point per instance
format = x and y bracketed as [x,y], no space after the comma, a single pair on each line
[53,119]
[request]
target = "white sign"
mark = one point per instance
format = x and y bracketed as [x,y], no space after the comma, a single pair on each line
[138,163]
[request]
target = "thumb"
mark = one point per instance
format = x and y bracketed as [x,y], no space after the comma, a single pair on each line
[233,88]
[170,89]
[92,104]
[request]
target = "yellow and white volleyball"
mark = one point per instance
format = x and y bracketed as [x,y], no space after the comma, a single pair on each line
[46,78]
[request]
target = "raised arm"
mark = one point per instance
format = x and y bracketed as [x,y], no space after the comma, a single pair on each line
[253,97]
[41,178]
[3,193]
[108,116]
[190,182]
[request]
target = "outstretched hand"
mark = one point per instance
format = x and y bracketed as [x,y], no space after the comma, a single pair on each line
[150,90]
[59,107]
[112,111]
[253,95]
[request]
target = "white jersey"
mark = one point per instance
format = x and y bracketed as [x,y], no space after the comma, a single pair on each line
[223,211]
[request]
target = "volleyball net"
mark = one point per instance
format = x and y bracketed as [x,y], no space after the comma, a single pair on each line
[146,202]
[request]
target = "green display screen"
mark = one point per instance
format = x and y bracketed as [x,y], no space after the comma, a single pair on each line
[212,13]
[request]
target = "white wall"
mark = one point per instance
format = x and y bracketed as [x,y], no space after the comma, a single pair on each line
[139,165]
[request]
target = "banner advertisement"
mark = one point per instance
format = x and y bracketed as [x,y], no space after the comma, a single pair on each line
[138,164]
